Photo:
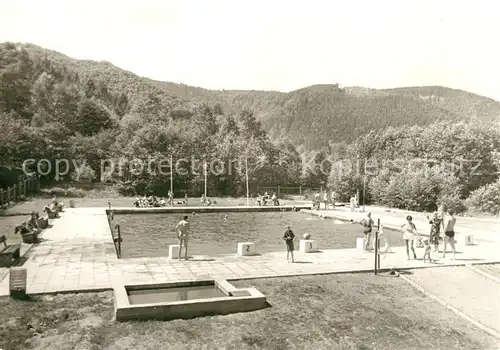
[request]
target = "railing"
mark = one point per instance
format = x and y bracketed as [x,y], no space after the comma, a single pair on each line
[118,241]
[19,191]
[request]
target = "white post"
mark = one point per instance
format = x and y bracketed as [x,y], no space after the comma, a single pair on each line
[205,168]
[246,175]
[171,174]
[364,190]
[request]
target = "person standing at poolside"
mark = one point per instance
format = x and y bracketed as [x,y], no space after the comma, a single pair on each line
[182,231]
[316,199]
[367,224]
[333,196]
[409,235]
[325,199]
[186,199]
[288,237]
[171,198]
[449,232]
[437,223]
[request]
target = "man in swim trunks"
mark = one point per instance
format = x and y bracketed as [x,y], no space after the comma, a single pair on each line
[449,233]
[182,231]
[367,224]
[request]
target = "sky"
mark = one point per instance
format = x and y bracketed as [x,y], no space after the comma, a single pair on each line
[274,44]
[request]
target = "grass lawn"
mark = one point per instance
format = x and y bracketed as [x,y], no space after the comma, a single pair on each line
[352,311]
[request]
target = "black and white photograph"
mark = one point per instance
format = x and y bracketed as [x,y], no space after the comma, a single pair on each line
[235,175]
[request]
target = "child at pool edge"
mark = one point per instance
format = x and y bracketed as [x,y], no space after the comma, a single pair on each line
[288,237]
[427,246]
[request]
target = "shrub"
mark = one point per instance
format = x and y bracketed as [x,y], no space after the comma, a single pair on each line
[455,203]
[85,175]
[347,185]
[57,191]
[125,188]
[421,189]
[485,199]
[75,192]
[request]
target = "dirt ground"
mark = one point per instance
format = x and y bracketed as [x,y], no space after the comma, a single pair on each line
[352,311]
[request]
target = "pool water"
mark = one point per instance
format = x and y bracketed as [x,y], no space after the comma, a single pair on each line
[166,295]
[149,235]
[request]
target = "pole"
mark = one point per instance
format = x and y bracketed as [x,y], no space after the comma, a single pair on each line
[171,174]
[205,170]
[364,191]
[376,247]
[246,175]
[378,243]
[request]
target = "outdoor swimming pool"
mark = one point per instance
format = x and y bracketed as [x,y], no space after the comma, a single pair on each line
[149,235]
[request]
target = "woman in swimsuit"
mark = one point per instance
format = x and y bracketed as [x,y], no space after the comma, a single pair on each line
[436,223]
[409,235]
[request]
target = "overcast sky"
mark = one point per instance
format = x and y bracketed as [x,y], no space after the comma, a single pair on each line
[274,45]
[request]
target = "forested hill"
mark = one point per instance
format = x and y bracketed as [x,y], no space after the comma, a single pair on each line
[321,114]
[313,116]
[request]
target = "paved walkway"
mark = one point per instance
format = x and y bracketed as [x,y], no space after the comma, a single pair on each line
[464,289]
[78,254]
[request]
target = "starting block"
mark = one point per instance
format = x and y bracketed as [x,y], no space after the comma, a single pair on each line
[246,248]
[308,246]
[360,243]
[173,251]
[465,239]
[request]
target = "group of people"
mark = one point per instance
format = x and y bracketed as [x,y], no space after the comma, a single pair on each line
[31,228]
[151,201]
[154,201]
[442,230]
[263,199]
[326,198]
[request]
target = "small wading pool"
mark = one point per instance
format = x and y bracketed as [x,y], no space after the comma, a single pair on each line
[184,300]
[161,295]
[149,235]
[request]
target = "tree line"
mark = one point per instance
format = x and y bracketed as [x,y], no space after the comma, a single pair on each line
[52,108]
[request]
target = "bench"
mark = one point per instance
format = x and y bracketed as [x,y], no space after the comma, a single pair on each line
[10,253]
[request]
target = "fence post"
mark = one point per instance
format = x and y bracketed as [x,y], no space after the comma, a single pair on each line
[279,191]
[377,257]
[25,184]
[1,199]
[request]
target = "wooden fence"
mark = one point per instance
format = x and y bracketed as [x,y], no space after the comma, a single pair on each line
[18,192]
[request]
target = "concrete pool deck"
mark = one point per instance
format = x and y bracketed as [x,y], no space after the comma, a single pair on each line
[485,230]
[78,254]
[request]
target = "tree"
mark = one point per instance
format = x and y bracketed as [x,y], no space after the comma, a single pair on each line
[91,118]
